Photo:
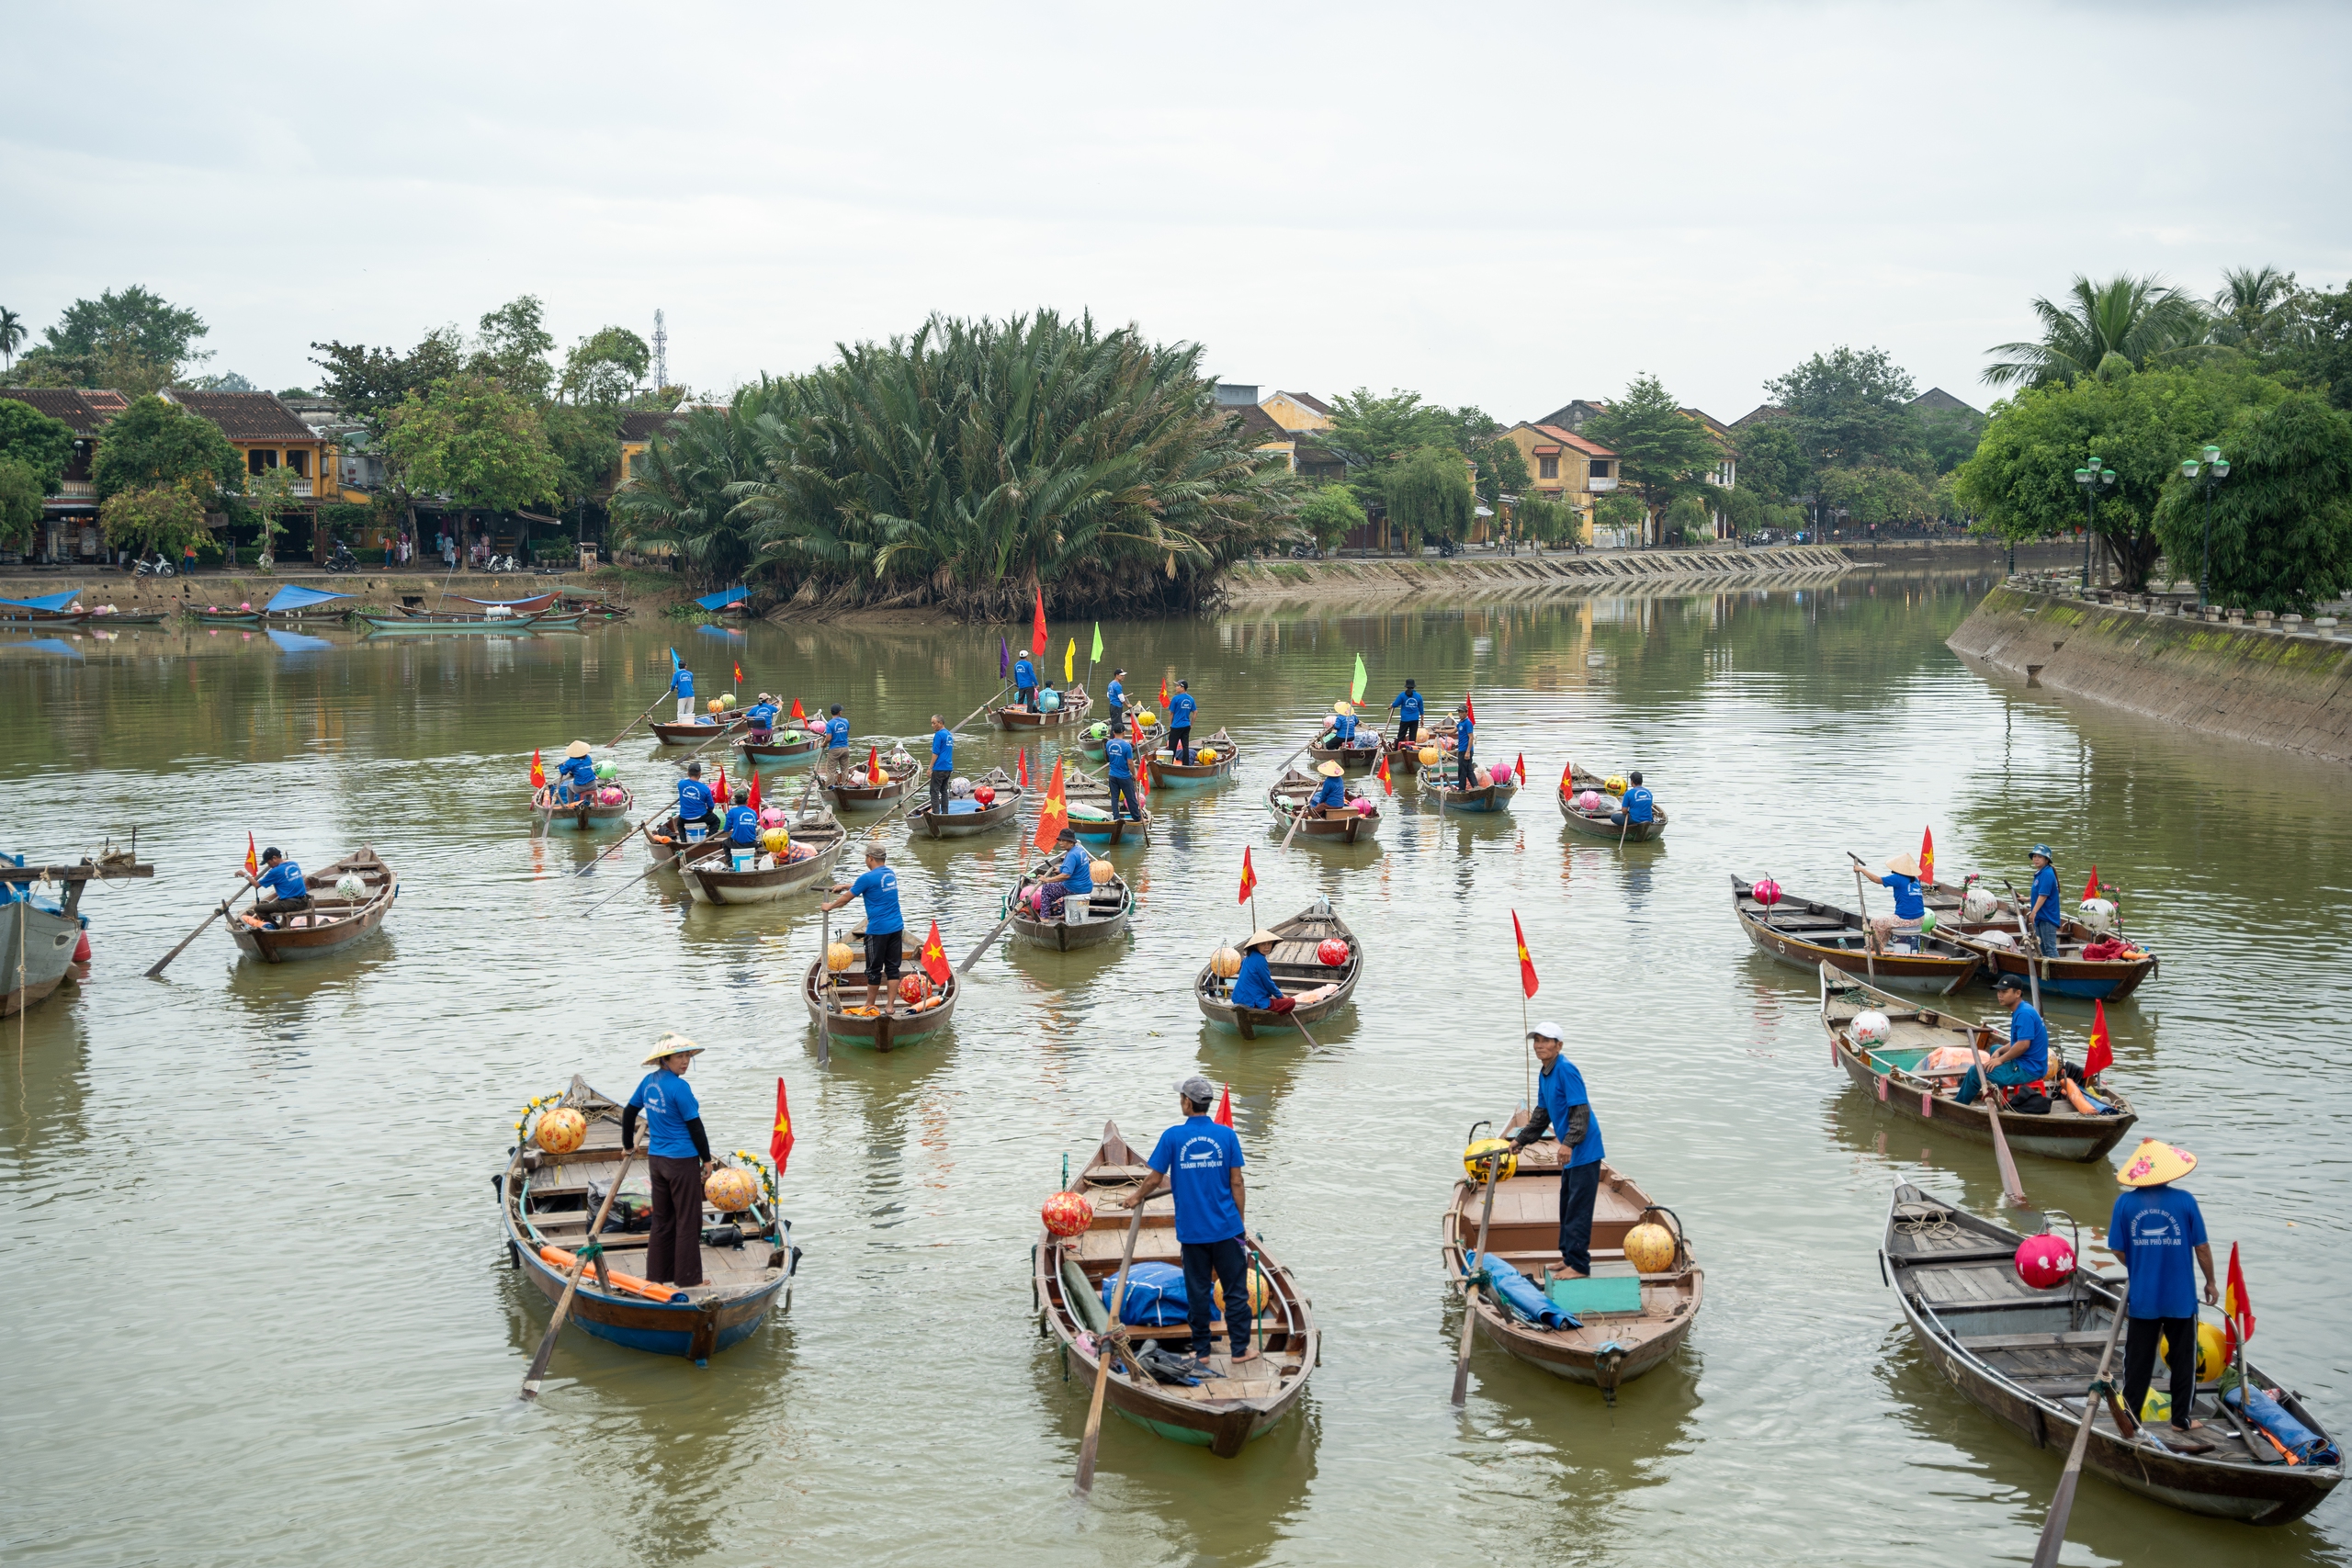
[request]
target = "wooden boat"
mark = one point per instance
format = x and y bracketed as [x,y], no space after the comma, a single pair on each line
[1438,784]
[1098,749]
[1290,792]
[1108,912]
[1404,756]
[413,623]
[1800,933]
[587,812]
[712,879]
[42,939]
[700,728]
[1361,757]
[125,618]
[780,748]
[1609,1347]
[898,774]
[1077,708]
[1596,824]
[669,842]
[546,1202]
[831,998]
[1096,826]
[2027,1358]
[2068,975]
[226,618]
[1231,1405]
[518,611]
[924,823]
[332,922]
[1167,773]
[1891,1072]
[1296,969]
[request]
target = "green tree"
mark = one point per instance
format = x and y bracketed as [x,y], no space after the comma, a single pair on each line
[1544,519]
[684,495]
[20,493]
[1687,521]
[476,441]
[269,495]
[44,446]
[1369,433]
[513,348]
[2255,308]
[1846,406]
[366,384]
[1662,452]
[167,517]
[1773,461]
[1949,436]
[2315,351]
[12,335]
[2282,521]
[607,368]
[587,448]
[1879,493]
[1429,494]
[139,319]
[2101,329]
[155,442]
[1622,512]
[1501,470]
[1329,513]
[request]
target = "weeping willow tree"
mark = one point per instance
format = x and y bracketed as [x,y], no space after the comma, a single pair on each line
[972,464]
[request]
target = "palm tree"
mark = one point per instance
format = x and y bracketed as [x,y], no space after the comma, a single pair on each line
[2254,307]
[2105,328]
[12,335]
[681,494]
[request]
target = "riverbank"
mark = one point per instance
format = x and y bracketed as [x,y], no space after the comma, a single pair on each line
[645,591]
[2285,687]
[1488,574]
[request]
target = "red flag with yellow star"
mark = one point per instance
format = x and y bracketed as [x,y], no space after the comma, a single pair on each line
[797,712]
[1568,776]
[738,672]
[2090,888]
[1927,856]
[1163,693]
[1248,877]
[1021,775]
[1381,774]
[935,957]
[1526,965]
[2101,1055]
[1467,711]
[1055,815]
[1037,627]
[1224,1117]
[755,789]
[538,779]
[1521,767]
[724,798]
[874,764]
[253,861]
[780,1141]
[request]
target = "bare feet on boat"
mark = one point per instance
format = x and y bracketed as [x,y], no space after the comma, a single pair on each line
[1238,1357]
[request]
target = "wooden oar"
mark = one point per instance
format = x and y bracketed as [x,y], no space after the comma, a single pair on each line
[981,709]
[579,1264]
[1102,1350]
[624,839]
[640,718]
[824,997]
[1862,909]
[164,962]
[2032,948]
[2061,1502]
[2010,1178]
[1470,1293]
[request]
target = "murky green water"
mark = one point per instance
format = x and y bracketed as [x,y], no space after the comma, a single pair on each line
[258,1310]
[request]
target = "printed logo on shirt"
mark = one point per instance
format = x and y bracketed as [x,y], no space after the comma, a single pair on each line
[1200,1154]
[2153,1227]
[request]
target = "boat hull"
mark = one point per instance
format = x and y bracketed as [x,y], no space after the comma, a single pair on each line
[886,1034]
[584,814]
[1119,832]
[711,879]
[1906,971]
[47,942]
[1078,711]
[694,1331]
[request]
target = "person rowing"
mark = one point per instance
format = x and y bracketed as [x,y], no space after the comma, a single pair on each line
[886,923]
[1637,806]
[282,889]
[1464,770]
[575,775]
[761,716]
[1200,1161]
[2044,913]
[1331,796]
[1075,877]
[1902,879]
[1343,732]
[837,740]
[1025,681]
[1117,693]
[696,804]
[1408,706]
[2154,1230]
[1119,768]
[1565,1110]
[677,1157]
[2025,1059]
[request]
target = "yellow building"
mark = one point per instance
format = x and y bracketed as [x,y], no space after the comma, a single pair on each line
[1564,467]
[1298,410]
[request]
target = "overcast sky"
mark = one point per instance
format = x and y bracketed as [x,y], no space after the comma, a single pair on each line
[1507,205]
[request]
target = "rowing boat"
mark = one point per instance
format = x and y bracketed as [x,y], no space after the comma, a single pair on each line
[1404,756]
[669,841]
[898,771]
[1097,747]
[1231,1405]
[923,822]
[1601,824]
[1167,773]
[589,810]
[2026,1357]
[713,879]
[1106,912]
[701,730]
[1891,1072]
[548,1201]
[332,923]
[42,930]
[1297,968]
[1626,1321]
[1359,756]
[1288,795]
[786,746]
[1075,708]
[415,623]
[829,997]
[1800,933]
[1438,784]
[1092,817]
[2067,974]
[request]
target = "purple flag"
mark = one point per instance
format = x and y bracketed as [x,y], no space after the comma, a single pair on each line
[1004,658]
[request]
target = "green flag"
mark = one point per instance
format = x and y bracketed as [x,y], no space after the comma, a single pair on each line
[1097,654]
[1355,692]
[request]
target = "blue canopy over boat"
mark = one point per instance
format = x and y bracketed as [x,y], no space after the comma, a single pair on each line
[735,595]
[295,597]
[295,642]
[53,603]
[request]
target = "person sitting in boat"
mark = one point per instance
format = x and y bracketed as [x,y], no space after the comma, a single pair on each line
[1563,1109]
[677,1157]
[1049,700]
[283,888]
[1343,724]
[1408,706]
[695,803]
[886,923]
[837,738]
[1331,796]
[2154,1231]
[742,822]
[761,716]
[1902,879]
[2044,914]
[1180,724]
[1118,696]
[2025,1059]
[1253,986]
[1119,768]
[575,775]
[1075,876]
[1637,807]
[682,684]
[1200,1161]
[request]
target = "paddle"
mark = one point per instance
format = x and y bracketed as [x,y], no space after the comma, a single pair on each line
[631,883]
[2010,1180]
[1470,1293]
[164,962]
[2061,1502]
[1623,828]
[588,1251]
[981,709]
[640,718]
[1102,1359]
[1862,908]
[2032,948]
[824,1000]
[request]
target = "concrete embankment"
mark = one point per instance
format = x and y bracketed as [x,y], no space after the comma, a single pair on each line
[2291,689]
[1607,572]
[381,590]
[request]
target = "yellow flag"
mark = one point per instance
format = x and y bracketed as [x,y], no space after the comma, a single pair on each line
[1069,662]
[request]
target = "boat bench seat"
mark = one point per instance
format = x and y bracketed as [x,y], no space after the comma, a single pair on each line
[2080,1339]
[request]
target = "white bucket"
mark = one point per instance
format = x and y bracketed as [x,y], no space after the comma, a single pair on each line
[743,858]
[1078,909]
[697,831]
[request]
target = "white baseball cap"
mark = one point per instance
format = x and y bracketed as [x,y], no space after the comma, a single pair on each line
[1549,1031]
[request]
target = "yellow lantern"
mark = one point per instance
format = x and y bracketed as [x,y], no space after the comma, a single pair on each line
[560,1131]
[1225,963]
[1205,755]
[718,707]
[1616,783]
[1261,1293]
[730,1191]
[1105,871]
[839,956]
[776,840]
[2212,1351]
[1429,755]
[1146,718]
[1649,1246]
[1474,1159]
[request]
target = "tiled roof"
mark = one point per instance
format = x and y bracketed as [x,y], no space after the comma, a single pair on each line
[644,425]
[1760,411]
[1258,422]
[1935,399]
[106,400]
[64,403]
[246,416]
[1704,417]
[1309,400]
[1570,438]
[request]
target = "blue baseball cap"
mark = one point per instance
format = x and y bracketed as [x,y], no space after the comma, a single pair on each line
[2044,850]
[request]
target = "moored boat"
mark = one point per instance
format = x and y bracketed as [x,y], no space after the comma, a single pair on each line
[1597,822]
[701,728]
[604,803]
[669,842]
[1895,1072]
[1075,708]
[1106,912]
[1223,755]
[1298,968]
[1977,917]
[335,919]
[41,925]
[711,877]
[1096,748]
[418,622]
[1288,795]
[838,999]
[975,817]
[786,747]
[1438,784]
[1806,935]
[1228,1406]
[835,780]
[1092,817]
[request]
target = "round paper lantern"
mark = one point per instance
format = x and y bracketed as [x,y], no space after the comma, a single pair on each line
[2097,914]
[350,885]
[1649,1246]
[1481,778]
[1205,755]
[985,794]
[1332,953]
[839,957]
[959,785]
[857,779]
[1104,872]
[1998,938]
[2213,1350]
[560,1131]
[771,816]
[1767,892]
[1363,805]
[1870,1030]
[730,1191]
[1224,963]
[1146,718]
[1474,1159]
[1028,899]
[911,988]
[1978,904]
[1097,730]
[606,771]
[1260,1292]
[2045,1262]
[718,707]
[1588,801]
[1429,755]
[1066,1213]
[1614,784]
[776,840]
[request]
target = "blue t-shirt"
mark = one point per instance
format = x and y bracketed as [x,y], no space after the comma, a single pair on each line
[1330,792]
[1343,727]
[694,799]
[1559,1090]
[761,714]
[837,732]
[285,879]
[1910,900]
[668,1105]
[1640,804]
[1462,728]
[1078,866]
[743,825]
[578,770]
[1119,752]
[1254,985]
[1179,711]
[879,888]
[683,683]
[1118,693]
[1408,705]
[1024,674]
[1199,1156]
[942,751]
[2026,1025]
[2043,900]
[2155,1231]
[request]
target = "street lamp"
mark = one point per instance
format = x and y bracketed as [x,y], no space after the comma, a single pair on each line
[2209,469]
[2091,479]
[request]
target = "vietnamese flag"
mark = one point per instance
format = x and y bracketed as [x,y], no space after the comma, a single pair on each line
[1037,629]
[1521,767]
[1526,965]
[874,764]
[755,789]
[538,781]
[795,709]
[1055,815]
[1248,877]
[253,861]
[724,798]
[1136,724]
[1467,711]
[1927,856]
[1021,775]
[1224,1117]
[1381,774]
[2090,888]
[935,957]
[1568,776]
[1163,693]
[780,1141]
[2235,1304]
[738,672]
[2101,1056]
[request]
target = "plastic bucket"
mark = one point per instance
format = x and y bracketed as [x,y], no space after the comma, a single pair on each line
[697,831]
[743,858]
[1077,909]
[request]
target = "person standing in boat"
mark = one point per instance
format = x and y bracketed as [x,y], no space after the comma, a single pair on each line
[283,889]
[1331,796]
[2154,1229]
[681,686]
[886,923]
[1180,724]
[1901,879]
[575,775]
[2043,913]
[1200,1161]
[1408,703]
[942,764]
[677,1157]
[695,803]
[1025,681]
[1464,770]
[1119,768]
[1117,693]
[2025,1059]
[1253,986]
[1563,1109]
[837,741]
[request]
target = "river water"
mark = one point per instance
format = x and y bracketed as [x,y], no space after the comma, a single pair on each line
[259,1311]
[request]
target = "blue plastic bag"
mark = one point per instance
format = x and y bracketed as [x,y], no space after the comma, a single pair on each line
[1155,1297]
[1517,1294]
[2265,1411]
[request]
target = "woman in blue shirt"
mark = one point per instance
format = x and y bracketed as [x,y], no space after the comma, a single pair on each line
[1180,722]
[1254,987]
[575,775]
[677,1155]
[1343,723]
[1902,879]
[1331,796]
[2154,1231]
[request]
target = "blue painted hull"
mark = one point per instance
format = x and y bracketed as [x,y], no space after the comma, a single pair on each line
[659,1328]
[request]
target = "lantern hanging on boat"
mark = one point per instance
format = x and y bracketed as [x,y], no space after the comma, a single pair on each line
[1766,891]
[560,1131]
[718,705]
[1998,938]
[1363,805]
[1261,1292]
[776,840]
[1979,903]
[2045,1262]
[911,988]
[772,816]
[1429,755]
[1205,755]
[1103,873]
[1649,1246]
[1474,1159]
[1331,952]
[1067,1214]
[839,956]
[985,794]
[730,1191]
[1146,718]
[1614,784]
[606,770]
[1589,801]
[1481,778]
[1870,1030]
[960,787]
[349,886]
[2096,914]
[1224,963]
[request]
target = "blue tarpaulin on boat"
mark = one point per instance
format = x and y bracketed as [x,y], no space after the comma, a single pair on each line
[1154,1296]
[50,601]
[58,645]
[295,642]
[1519,1294]
[294,597]
[720,600]
[723,632]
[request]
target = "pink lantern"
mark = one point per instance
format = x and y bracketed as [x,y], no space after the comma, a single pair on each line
[1363,805]
[1767,892]
[1481,777]
[772,816]
[2045,1262]
[1588,801]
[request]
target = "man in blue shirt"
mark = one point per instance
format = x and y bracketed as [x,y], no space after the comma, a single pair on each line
[1180,722]
[836,737]
[1637,806]
[1200,1161]
[742,822]
[575,775]
[2043,912]
[1118,695]
[1025,681]
[942,764]
[2025,1059]
[1254,985]
[1075,876]
[1465,772]
[677,1157]
[2154,1231]
[886,925]
[1331,796]
[1408,703]
[695,803]
[1562,1107]
[682,681]
[1119,766]
[283,889]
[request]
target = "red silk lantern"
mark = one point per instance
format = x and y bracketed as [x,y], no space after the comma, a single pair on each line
[1766,892]
[2045,1262]
[1331,952]
[1067,1214]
